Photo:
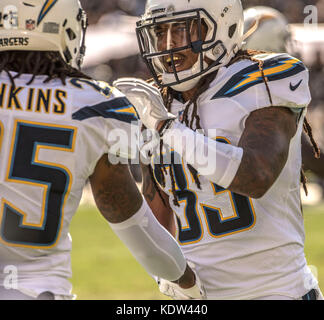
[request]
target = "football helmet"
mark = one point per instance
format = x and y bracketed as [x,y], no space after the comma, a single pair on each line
[265,29]
[212,30]
[44,25]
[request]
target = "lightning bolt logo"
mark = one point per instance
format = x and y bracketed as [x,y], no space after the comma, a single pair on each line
[48,5]
[128,110]
[274,69]
[257,76]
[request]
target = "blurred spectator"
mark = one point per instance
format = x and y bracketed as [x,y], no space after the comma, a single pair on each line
[130,64]
[97,8]
[293,10]
[320,7]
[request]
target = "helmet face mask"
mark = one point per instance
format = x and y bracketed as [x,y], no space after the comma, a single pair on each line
[46,25]
[82,17]
[169,39]
[187,33]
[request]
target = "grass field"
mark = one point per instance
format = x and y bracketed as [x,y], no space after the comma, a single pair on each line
[104,269]
[314,243]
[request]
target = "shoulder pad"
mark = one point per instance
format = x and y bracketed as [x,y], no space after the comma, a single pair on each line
[99,86]
[287,81]
[99,99]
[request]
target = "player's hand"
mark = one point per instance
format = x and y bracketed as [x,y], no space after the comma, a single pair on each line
[146,99]
[174,291]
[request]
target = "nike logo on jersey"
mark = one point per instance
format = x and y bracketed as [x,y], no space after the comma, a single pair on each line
[294,88]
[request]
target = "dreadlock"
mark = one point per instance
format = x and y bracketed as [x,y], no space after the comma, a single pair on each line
[169,94]
[316,150]
[47,63]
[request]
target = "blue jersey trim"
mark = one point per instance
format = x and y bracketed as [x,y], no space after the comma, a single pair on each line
[120,109]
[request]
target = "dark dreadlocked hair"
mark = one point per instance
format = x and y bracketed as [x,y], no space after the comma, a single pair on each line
[169,94]
[49,63]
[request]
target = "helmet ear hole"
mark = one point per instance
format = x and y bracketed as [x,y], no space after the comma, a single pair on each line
[71,34]
[67,55]
[231,30]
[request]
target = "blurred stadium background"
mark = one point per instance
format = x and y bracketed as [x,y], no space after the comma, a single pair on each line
[102,266]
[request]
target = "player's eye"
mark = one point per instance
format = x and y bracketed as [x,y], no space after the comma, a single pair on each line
[159,32]
[180,27]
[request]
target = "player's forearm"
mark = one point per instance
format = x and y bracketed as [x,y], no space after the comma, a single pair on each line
[256,173]
[128,214]
[152,245]
[251,168]
[249,171]
[216,161]
[266,143]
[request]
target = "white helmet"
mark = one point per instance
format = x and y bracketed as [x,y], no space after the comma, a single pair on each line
[265,29]
[44,25]
[224,22]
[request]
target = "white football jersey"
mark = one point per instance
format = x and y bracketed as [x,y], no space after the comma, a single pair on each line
[245,248]
[51,138]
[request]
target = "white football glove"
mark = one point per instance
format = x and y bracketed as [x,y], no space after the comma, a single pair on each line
[174,291]
[146,99]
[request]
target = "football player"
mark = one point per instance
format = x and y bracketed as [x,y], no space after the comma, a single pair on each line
[55,125]
[267,29]
[237,216]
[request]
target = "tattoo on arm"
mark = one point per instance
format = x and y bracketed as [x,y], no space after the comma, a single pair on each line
[115,191]
[265,142]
